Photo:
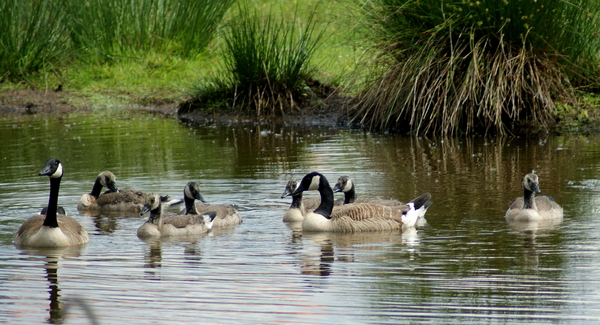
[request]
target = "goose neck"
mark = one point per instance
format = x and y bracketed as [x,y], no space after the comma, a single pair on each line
[529,199]
[326,206]
[350,196]
[50,219]
[296,201]
[156,216]
[96,189]
[190,205]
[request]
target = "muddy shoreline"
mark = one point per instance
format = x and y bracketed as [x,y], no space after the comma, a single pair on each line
[50,102]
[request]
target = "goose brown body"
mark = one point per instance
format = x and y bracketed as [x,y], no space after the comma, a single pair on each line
[346,185]
[356,217]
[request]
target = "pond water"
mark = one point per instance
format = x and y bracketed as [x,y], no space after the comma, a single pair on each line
[466,266]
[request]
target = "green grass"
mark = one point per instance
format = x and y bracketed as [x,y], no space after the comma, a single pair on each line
[110,29]
[32,38]
[120,71]
[452,67]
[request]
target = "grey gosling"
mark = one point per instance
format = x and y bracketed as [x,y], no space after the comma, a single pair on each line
[172,225]
[227,215]
[531,207]
[299,206]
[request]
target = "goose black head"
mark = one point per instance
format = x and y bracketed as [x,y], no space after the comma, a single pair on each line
[192,191]
[53,168]
[311,182]
[344,184]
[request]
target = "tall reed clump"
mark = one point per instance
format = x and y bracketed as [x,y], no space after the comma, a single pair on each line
[33,35]
[467,66]
[120,28]
[266,64]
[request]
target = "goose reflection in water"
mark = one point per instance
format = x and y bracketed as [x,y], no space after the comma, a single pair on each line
[531,230]
[57,311]
[321,263]
[153,255]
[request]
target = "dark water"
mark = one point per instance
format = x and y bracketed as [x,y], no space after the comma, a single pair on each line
[467,266]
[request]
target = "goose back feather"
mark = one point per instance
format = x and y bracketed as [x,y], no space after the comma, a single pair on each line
[347,186]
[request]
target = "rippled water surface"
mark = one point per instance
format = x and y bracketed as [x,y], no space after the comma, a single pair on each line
[466,266]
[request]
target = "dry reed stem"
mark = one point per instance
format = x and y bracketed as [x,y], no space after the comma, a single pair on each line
[465,89]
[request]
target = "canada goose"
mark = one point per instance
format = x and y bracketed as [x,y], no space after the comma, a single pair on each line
[346,185]
[532,208]
[88,200]
[173,225]
[114,200]
[51,230]
[299,207]
[227,215]
[354,217]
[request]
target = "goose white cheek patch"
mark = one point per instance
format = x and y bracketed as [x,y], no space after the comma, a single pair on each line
[348,186]
[188,194]
[58,173]
[314,184]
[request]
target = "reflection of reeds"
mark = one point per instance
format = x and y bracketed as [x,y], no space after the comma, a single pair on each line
[470,175]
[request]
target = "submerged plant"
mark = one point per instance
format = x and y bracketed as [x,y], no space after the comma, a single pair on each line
[266,64]
[476,66]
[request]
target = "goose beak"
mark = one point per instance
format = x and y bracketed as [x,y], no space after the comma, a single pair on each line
[112,187]
[47,171]
[535,187]
[199,198]
[145,210]
[286,193]
[336,188]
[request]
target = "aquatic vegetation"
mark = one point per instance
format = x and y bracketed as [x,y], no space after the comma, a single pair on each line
[484,66]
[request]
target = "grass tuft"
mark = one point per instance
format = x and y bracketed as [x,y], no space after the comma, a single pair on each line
[486,66]
[266,65]
[33,36]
